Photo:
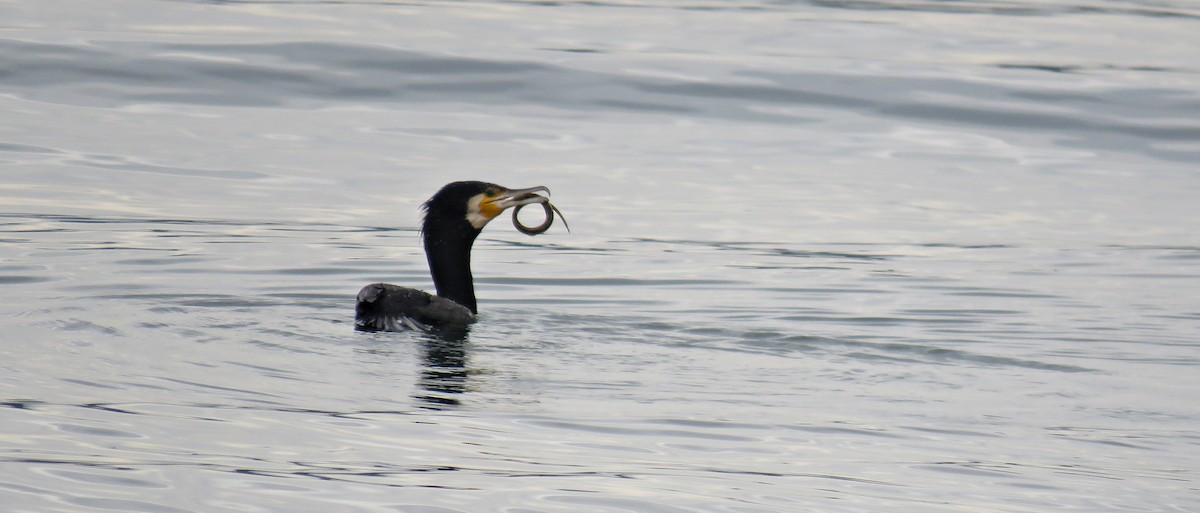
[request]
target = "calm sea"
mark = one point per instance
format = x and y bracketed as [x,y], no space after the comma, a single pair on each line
[826,256]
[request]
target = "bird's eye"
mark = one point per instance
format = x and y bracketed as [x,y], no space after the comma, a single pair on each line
[490,193]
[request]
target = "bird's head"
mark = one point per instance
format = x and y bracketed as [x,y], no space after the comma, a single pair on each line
[477,203]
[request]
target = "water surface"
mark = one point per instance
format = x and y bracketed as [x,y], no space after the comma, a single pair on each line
[825,256]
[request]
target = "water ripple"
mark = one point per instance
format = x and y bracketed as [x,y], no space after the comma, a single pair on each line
[279,74]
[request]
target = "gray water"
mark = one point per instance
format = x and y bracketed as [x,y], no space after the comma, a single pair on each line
[825,256]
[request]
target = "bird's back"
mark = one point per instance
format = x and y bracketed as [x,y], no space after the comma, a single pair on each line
[386,307]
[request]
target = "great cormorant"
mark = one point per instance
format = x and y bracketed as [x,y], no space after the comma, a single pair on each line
[454,217]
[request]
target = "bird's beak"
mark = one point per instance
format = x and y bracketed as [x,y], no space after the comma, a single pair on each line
[519,198]
[496,205]
[516,197]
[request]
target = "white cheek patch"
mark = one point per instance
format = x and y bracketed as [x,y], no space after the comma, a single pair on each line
[475,215]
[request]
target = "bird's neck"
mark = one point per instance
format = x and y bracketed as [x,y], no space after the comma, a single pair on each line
[449,257]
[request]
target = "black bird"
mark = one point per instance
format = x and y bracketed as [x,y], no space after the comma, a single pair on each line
[454,217]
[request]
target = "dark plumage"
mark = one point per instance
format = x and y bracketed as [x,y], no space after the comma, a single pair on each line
[454,217]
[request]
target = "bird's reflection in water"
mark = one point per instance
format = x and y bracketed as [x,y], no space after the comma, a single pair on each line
[444,373]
